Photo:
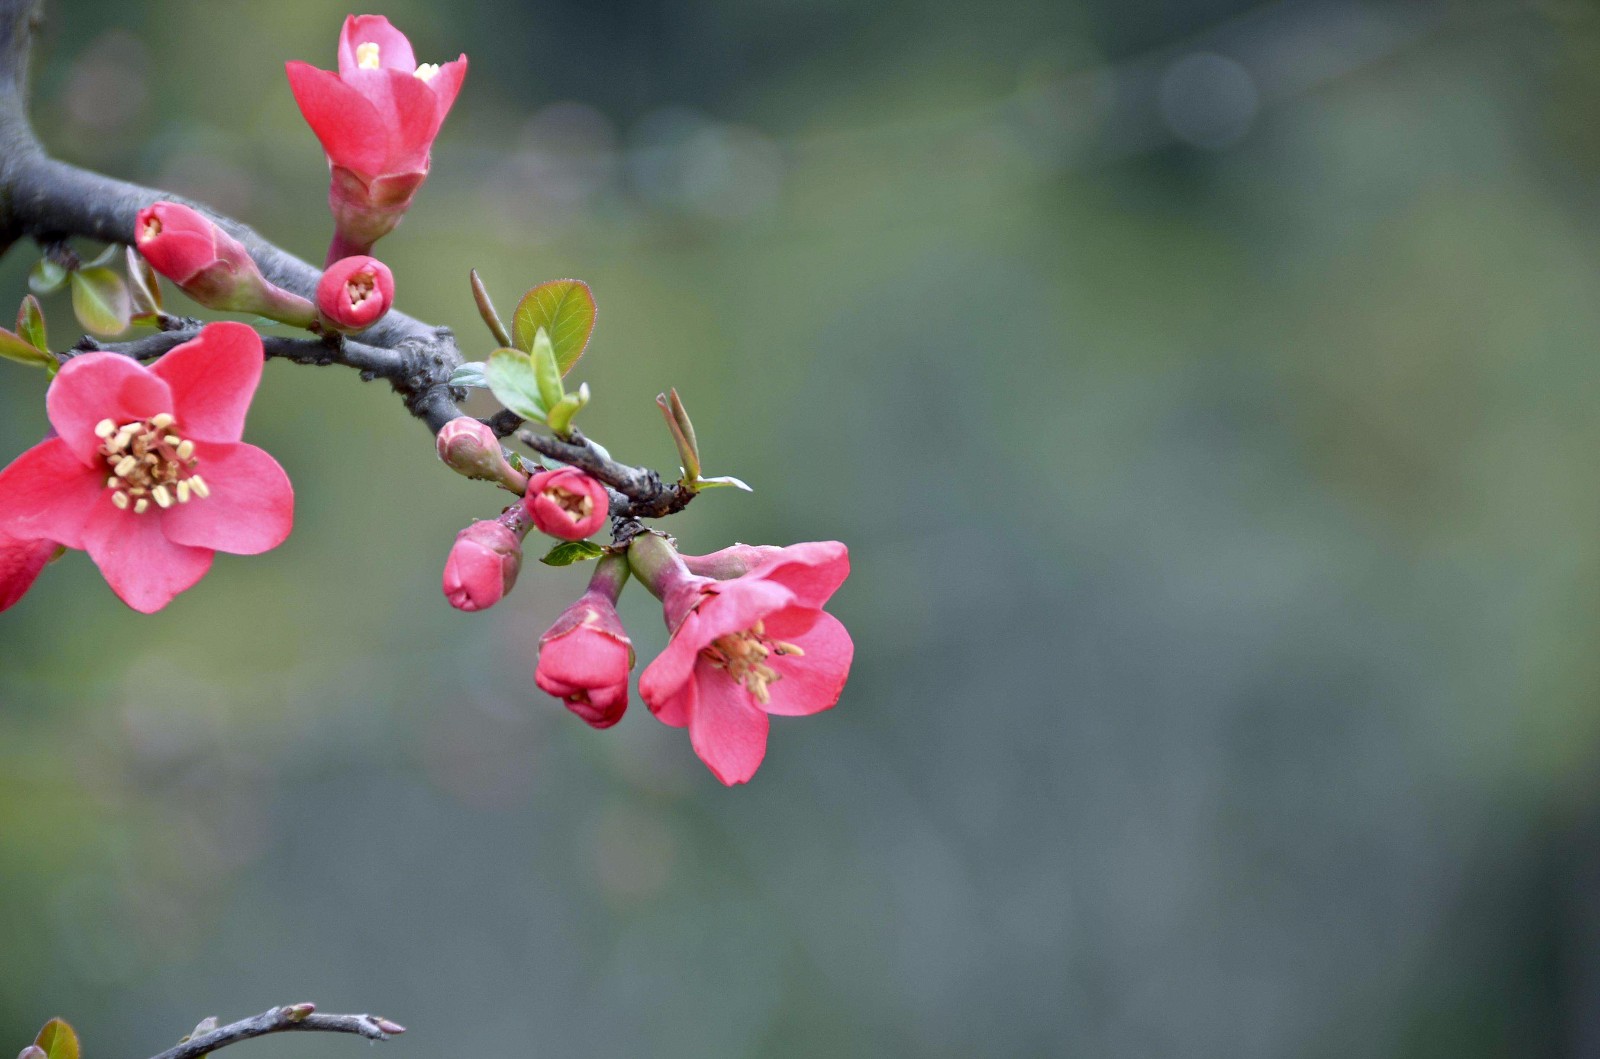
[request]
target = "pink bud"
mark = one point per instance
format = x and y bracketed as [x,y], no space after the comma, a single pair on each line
[482,567]
[469,448]
[584,658]
[354,293]
[567,503]
[211,266]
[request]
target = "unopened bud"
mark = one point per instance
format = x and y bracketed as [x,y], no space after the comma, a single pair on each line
[471,449]
[354,293]
[567,503]
[299,1012]
[211,266]
[391,1028]
[482,567]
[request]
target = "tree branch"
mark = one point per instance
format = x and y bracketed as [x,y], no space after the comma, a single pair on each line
[282,1020]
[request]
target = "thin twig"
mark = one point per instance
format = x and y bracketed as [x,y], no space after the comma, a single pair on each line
[283,1020]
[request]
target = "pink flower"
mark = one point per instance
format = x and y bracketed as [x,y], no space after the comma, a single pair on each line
[567,503]
[585,656]
[745,648]
[211,266]
[377,119]
[483,566]
[20,565]
[354,293]
[147,473]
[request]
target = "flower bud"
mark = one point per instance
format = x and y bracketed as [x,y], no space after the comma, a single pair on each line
[482,567]
[567,503]
[211,266]
[469,448]
[585,657]
[354,293]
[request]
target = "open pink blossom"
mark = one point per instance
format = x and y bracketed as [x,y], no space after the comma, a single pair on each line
[377,119]
[147,472]
[744,648]
[20,565]
[584,658]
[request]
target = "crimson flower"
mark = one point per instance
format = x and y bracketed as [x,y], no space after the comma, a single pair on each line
[482,566]
[147,473]
[20,565]
[377,119]
[211,266]
[567,503]
[354,293]
[584,658]
[742,649]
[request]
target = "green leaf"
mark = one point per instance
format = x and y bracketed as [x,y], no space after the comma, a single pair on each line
[143,285]
[491,319]
[30,323]
[46,277]
[563,307]
[469,375]
[100,300]
[721,483]
[511,377]
[568,552]
[102,258]
[57,1040]
[14,347]
[546,371]
[561,415]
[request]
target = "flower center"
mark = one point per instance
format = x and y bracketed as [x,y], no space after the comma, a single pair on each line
[148,462]
[577,505]
[151,229]
[425,71]
[744,655]
[359,288]
[367,56]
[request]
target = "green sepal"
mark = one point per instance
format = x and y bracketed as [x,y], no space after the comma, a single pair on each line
[568,552]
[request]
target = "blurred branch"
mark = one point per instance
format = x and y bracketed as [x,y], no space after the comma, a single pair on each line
[281,1020]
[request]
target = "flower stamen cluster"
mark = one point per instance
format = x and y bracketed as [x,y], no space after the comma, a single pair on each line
[744,656]
[149,463]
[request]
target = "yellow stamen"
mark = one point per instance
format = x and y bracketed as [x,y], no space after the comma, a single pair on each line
[198,484]
[163,497]
[105,428]
[367,56]
[163,421]
[185,449]
[426,71]
[140,506]
[120,499]
[183,492]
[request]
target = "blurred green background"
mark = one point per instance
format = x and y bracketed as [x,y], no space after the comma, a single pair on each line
[1206,392]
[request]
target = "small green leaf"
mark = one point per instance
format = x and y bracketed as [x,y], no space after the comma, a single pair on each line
[469,375]
[721,483]
[511,377]
[570,405]
[100,300]
[546,371]
[46,277]
[143,285]
[14,347]
[30,323]
[102,258]
[568,552]
[563,307]
[57,1040]
[491,319]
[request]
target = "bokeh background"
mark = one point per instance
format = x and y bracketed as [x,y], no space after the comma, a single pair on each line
[1209,393]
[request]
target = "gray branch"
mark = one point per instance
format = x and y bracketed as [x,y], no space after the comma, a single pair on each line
[293,1017]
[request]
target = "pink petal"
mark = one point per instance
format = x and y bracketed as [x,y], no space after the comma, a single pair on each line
[47,493]
[213,377]
[446,84]
[394,50]
[813,570]
[584,658]
[812,682]
[96,386]
[351,130]
[671,706]
[140,564]
[409,108]
[20,565]
[250,509]
[727,731]
[732,606]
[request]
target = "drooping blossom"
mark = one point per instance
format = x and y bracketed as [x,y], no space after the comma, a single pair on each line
[482,566]
[211,266]
[147,472]
[584,658]
[376,118]
[20,565]
[354,293]
[471,449]
[744,648]
[567,503]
